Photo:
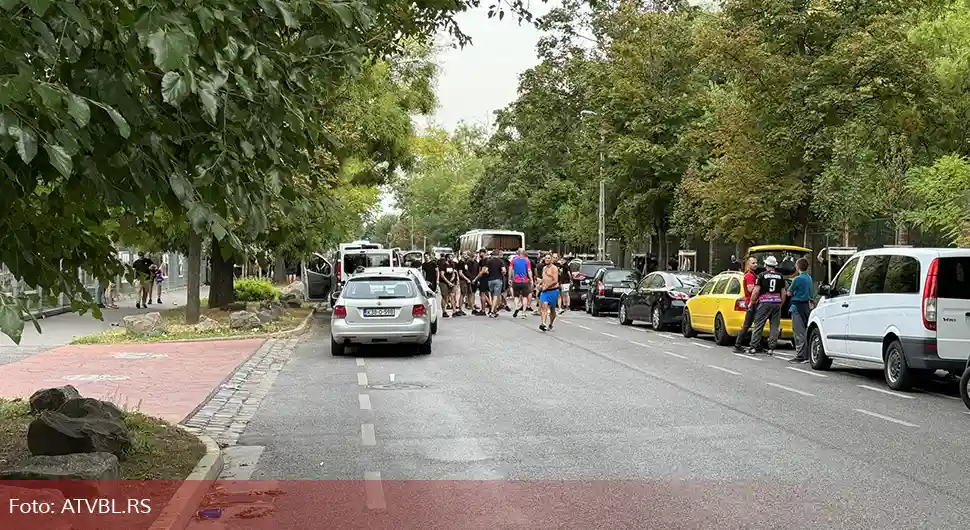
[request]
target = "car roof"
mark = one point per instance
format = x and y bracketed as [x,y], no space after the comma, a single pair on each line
[769,248]
[915,251]
[385,272]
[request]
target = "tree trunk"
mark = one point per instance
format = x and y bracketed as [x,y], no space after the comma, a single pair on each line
[192,304]
[220,287]
[279,271]
[902,234]
[711,249]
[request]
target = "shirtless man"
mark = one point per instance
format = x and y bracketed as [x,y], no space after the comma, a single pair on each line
[548,293]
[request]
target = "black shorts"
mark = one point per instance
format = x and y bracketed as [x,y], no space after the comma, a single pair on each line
[482,286]
[521,289]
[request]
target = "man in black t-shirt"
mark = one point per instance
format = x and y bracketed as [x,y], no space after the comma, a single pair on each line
[494,275]
[769,294]
[430,270]
[448,270]
[467,269]
[479,280]
[144,277]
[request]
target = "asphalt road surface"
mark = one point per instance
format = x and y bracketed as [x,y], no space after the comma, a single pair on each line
[602,426]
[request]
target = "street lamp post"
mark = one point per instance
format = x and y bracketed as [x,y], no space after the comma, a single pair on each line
[601,232]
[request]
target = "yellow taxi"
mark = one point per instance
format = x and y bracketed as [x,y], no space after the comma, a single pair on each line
[719,309]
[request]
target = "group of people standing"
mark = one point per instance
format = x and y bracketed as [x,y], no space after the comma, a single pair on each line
[497,282]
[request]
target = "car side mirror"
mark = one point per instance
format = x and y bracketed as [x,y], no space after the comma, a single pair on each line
[825,290]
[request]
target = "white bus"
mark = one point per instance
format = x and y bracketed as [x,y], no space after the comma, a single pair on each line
[501,240]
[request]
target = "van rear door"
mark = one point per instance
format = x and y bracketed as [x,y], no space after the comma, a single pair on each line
[953,305]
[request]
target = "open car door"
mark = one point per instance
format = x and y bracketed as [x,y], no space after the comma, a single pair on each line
[319,278]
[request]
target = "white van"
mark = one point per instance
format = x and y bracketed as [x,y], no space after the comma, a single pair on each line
[350,259]
[907,309]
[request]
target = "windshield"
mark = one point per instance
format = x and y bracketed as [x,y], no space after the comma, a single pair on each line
[352,261]
[503,242]
[690,280]
[379,288]
[786,260]
[621,276]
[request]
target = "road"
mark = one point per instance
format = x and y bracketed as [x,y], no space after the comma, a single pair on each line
[688,435]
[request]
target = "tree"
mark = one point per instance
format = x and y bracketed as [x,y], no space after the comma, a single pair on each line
[942,192]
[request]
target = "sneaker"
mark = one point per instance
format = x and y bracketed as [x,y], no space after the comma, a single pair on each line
[542,327]
[751,351]
[445,315]
[515,313]
[798,360]
[149,302]
[770,351]
[137,306]
[535,313]
[561,310]
[159,301]
[738,349]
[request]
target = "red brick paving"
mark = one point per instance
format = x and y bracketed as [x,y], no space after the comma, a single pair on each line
[168,387]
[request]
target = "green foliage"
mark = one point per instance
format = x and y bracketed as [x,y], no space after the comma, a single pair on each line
[255,290]
[942,191]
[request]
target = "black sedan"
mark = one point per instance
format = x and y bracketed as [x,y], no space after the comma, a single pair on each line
[608,288]
[581,273]
[660,298]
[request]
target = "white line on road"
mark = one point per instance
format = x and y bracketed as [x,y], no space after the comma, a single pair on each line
[374,490]
[565,321]
[784,356]
[725,370]
[887,418]
[806,372]
[790,389]
[635,343]
[360,362]
[361,379]
[701,345]
[609,335]
[748,357]
[612,322]
[364,400]
[367,435]
[392,378]
[884,391]
[584,327]
[941,395]
[677,355]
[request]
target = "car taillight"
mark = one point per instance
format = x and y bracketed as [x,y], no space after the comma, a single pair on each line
[340,311]
[579,276]
[929,297]
[600,288]
[419,310]
[741,305]
[338,271]
[677,295]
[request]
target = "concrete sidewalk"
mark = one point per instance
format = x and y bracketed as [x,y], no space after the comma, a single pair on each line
[59,330]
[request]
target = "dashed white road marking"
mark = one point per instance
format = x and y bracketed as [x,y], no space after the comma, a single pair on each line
[809,372]
[392,378]
[748,357]
[361,379]
[612,322]
[635,343]
[374,490]
[367,435]
[784,355]
[695,343]
[790,389]
[887,418]
[677,355]
[884,391]
[364,400]
[725,370]
[609,335]
[584,327]
[565,321]
[360,362]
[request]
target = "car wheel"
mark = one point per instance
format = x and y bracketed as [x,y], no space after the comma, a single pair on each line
[965,387]
[655,318]
[685,326]
[593,309]
[434,327]
[425,347]
[336,348]
[899,376]
[721,336]
[623,316]
[816,349]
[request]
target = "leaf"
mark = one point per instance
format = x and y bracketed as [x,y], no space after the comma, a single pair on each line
[8,5]
[26,142]
[11,324]
[174,88]
[218,230]
[50,97]
[345,12]
[123,129]
[209,100]
[247,148]
[171,48]
[59,159]
[288,18]
[39,7]
[76,15]
[204,14]
[79,109]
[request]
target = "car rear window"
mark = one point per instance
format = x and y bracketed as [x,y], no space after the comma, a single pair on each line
[589,269]
[690,280]
[621,275]
[379,288]
[352,261]
[953,278]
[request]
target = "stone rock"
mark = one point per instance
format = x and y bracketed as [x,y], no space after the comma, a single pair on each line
[274,307]
[75,466]
[265,317]
[235,306]
[293,295]
[54,433]
[207,324]
[52,398]
[244,320]
[147,324]
[90,407]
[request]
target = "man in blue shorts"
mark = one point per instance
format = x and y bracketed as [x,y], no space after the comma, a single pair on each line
[548,293]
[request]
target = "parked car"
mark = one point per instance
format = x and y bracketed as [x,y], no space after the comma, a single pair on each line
[719,308]
[660,298]
[608,287]
[907,309]
[380,308]
[434,301]
[581,274]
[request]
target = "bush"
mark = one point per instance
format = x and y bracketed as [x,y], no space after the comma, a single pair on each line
[254,290]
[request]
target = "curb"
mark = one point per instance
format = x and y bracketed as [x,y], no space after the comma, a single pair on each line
[181,508]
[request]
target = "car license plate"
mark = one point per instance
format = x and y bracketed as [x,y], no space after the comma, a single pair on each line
[385,312]
[621,290]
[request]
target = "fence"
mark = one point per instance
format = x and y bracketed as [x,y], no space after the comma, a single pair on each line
[39,305]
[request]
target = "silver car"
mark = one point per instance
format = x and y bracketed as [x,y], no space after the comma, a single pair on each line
[380,308]
[431,298]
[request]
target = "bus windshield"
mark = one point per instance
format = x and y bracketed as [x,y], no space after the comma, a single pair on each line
[502,242]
